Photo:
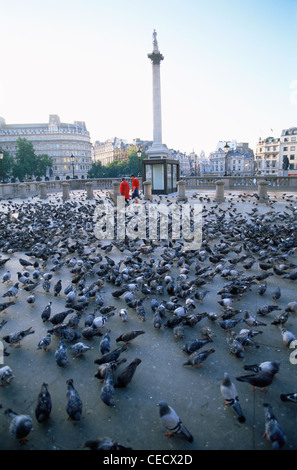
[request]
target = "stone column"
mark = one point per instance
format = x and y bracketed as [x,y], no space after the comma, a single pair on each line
[42,188]
[181,190]
[147,190]
[262,191]
[219,197]
[89,186]
[65,187]
[22,190]
[115,193]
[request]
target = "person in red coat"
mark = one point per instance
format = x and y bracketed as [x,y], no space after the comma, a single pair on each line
[135,188]
[125,190]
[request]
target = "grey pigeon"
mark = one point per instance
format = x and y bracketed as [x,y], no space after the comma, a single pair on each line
[172,422]
[44,404]
[266,366]
[273,430]
[104,443]
[78,349]
[196,358]
[292,397]
[230,395]
[107,391]
[16,338]
[74,404]
[12,291]
[6,375]
[46,313]
[20,425]
[125,377]
[45,342]
[61,354]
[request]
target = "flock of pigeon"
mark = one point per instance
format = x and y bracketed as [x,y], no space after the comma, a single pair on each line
[158,286]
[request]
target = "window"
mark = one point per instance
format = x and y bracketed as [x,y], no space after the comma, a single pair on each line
[292,149]
[291,157]
[285,149]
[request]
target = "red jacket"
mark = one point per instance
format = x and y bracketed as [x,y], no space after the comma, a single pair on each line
[125,189]
[135,183]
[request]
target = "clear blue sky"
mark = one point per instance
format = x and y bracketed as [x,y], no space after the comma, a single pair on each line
[229,69]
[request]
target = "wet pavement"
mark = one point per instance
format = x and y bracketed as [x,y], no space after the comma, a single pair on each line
[194,393]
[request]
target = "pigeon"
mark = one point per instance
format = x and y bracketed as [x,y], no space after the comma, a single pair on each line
[60,317]
[288,336]
[45,342]
[172,422]
[229,324]
[5,305]
[178,332]
[291,307]
[104,443]
[57,288]
[107,390]
[74,404]
[89,332]
[291,397]
[273,430]
[3,261]
[12,291]
[128,336]
[6,277]
[6,375]
[99,321]
[111,356]
[23,262]
[102,368]
[272,367]
[276,295]
[78,349]
[46,312]
[104,345]
[193,345]
[16,338]
[250,320]
[281,319]
[20,425]
[125,377]
[236,347]
[61,354]
[230,395]
[196,358]
[260,379]
[265,309]
[44,404]
[123,313]
[2,324]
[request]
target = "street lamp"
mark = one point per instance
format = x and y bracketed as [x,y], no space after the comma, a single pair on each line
[226,150]
[72,162]
[1,158]
[139,157]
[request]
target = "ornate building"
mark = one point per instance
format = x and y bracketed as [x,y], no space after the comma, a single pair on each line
[56,139]
[267,156]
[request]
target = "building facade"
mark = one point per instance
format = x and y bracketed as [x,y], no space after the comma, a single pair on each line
[238,160]
[114,149]
[267,160]
[56,139]
[288,151]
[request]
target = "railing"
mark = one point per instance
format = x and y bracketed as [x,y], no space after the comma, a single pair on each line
[242,182]
[29,188]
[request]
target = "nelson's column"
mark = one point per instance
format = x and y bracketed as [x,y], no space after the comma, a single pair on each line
[162,171]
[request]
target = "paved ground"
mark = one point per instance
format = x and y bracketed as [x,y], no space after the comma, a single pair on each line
[193,393]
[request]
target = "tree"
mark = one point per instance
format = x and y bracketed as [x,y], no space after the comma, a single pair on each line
[117,168]
[6,165]
[27,163]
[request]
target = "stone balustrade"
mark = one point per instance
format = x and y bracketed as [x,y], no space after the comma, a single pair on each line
[43,189]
